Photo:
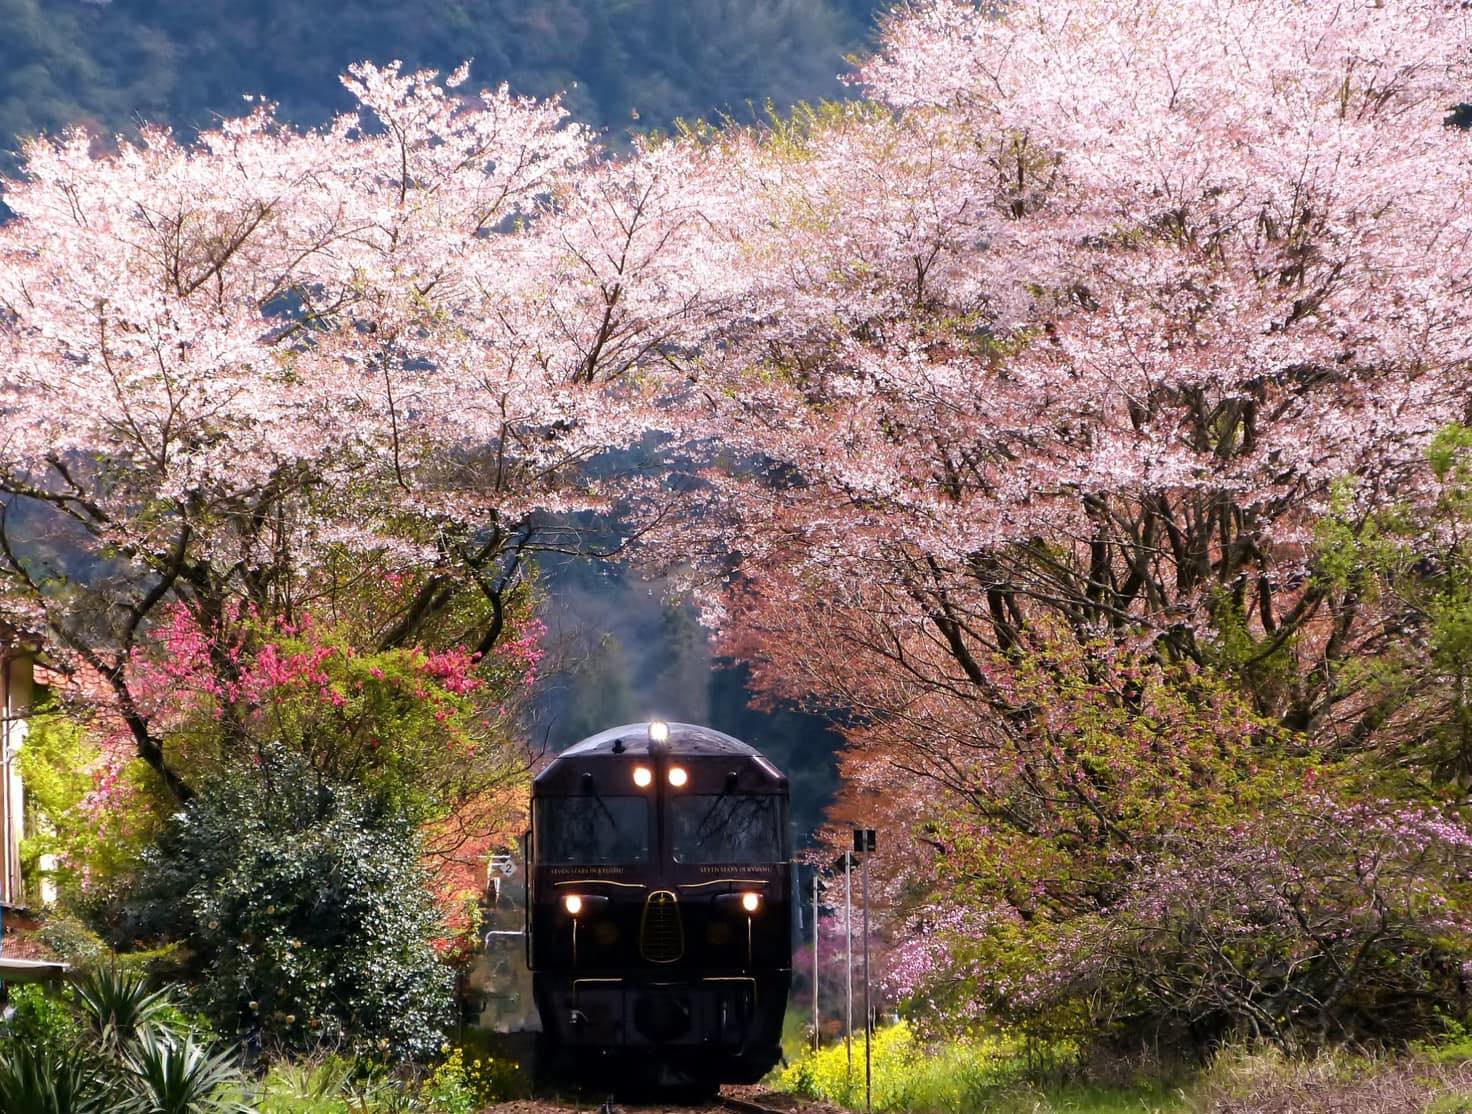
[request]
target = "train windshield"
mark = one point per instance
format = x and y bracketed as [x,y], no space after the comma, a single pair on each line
[592,829]
[726,829]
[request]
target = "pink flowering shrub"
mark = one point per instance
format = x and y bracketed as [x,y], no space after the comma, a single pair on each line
[1167,868]
[404,720]
[428,732]
[1318,921]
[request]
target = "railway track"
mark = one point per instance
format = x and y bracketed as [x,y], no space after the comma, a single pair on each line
[745,1106]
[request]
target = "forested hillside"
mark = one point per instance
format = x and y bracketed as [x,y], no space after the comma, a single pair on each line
[622,63]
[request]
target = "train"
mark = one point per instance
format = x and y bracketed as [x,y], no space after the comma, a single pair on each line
[660,907]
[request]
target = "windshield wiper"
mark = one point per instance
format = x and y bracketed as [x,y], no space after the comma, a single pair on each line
[700,832]
[591,789]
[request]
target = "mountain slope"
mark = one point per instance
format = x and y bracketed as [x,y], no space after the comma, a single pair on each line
[622,63]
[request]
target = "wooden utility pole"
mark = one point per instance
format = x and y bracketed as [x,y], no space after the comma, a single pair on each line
[848,953]
[864,844]
[815,960]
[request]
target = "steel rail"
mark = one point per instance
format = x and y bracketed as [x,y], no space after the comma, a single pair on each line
[746,1106]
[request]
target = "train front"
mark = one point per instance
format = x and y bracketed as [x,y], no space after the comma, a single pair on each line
[660,934]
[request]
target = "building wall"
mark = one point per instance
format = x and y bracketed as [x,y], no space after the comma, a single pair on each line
[16,693]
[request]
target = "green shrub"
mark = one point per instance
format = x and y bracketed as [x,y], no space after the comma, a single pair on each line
[1453,1046]
[42,1020]
[306,910]
[74,941]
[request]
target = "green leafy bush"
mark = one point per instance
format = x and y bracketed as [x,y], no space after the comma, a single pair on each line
[305,907]
[42,1020]
[74,941]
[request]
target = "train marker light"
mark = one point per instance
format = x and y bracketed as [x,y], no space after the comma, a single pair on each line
[573,904]
[659,731]
[678,776]
[751,902]
[643,778]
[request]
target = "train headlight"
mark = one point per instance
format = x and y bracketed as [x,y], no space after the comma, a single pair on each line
[678,776]
[659,731]
[751,902]
[573,904]
[643,777]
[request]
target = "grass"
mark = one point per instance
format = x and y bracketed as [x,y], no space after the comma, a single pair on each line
[1005,1077]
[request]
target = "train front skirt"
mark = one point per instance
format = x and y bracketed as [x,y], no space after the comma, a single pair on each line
[732,1024]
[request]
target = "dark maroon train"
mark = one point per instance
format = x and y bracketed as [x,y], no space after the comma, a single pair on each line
[660,928]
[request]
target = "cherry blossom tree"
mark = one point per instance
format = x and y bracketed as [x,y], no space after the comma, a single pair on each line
[257,371]
[1061,356]
[1099,323]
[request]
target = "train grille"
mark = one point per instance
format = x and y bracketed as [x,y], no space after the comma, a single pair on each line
[661,935]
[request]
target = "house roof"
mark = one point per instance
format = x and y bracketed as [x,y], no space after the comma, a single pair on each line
[31,970]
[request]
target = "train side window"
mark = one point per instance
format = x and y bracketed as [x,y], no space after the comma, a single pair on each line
[574,831]
[726,829]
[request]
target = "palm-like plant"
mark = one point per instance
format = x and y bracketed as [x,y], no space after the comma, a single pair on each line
[38,1080]
[117,1006]
[395,1101]
[171,1075]
[307,1088]
[332,1086]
